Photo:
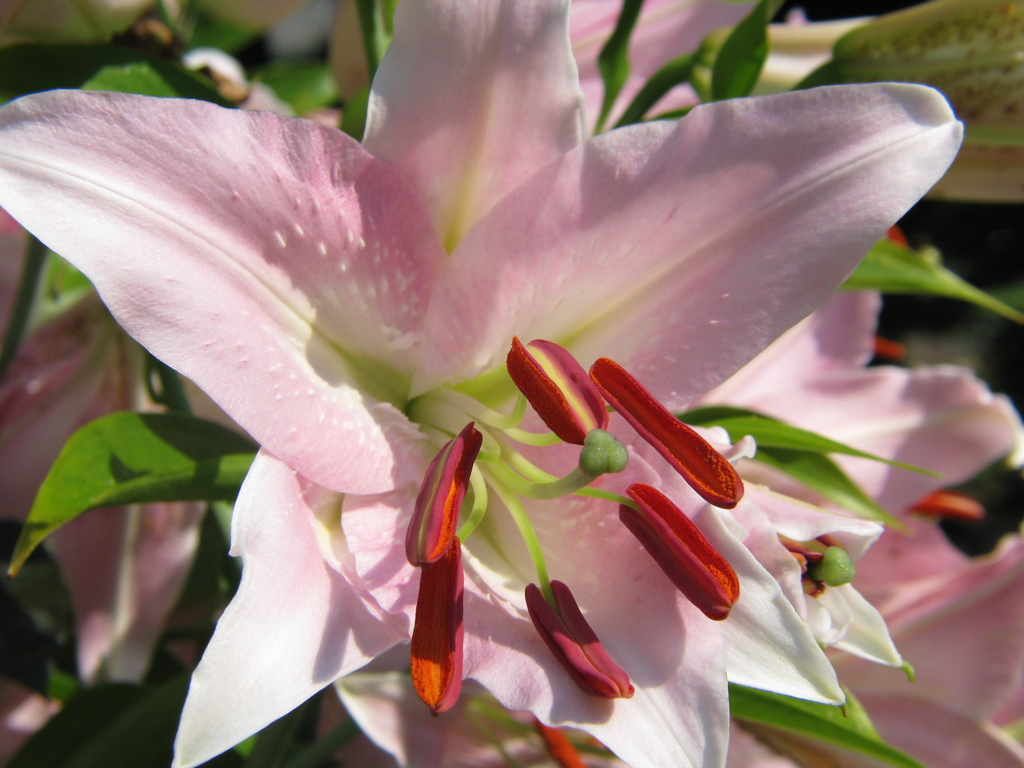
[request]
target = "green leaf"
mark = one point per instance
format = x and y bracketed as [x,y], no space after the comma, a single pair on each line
[739,60]
[661,82]
[353,118]
[819,473]
[135,458]
[613,60]
[210,32]
[852,730]
[893,268]
[374,31]
[772,433]
[304,85]
[32,67]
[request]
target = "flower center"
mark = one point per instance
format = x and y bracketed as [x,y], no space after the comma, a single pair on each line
[486,459]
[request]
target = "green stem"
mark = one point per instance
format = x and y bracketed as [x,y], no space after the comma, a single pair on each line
[17,321]
[370,24]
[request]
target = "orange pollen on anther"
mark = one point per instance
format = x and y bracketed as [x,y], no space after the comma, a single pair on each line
[437,634]
[951,505]
[439,502]
[707,471]
[559,747]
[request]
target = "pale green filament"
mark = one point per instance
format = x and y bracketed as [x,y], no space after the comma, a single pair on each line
[519,517]
[533,438]
[479,508]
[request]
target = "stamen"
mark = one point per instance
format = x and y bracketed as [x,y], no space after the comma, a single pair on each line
[439,501]
[708,472]
[558,389]
[952,505]
[574,643]
[437,633]
[559,747]
[688,559]
[887,349]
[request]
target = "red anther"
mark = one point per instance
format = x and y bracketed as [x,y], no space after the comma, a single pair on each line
[887,349]
[439,502]
[437,633]
[951,505]
[559,747]
[575,644]
[707,471]
[895,234]
[808,551]
[689,560]
[558,389]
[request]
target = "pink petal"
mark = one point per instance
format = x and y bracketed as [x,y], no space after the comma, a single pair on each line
[22,713]
[295,625]
[901,558]
[941,418]
[471,99]
[682,249]
[680,700]
[66,373]
[940,738]
[270,259]
[963,632]
[839,336]
[125,568]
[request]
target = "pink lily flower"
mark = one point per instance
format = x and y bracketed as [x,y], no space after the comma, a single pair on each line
[940,417]
[352,306]
[665,29]
[124,567]
[937,603]
[961,624]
